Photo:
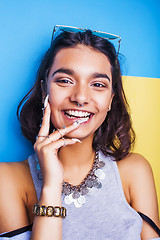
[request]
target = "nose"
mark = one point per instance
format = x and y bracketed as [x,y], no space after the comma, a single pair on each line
[80,94]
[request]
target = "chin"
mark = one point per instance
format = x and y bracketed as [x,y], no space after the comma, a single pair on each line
[80,134]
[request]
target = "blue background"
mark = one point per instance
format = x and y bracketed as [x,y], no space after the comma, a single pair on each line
[25,33]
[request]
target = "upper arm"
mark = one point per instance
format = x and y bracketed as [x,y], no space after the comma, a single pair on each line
[143,193]
[13,214]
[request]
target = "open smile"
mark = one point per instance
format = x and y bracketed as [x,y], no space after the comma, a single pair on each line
[74,115]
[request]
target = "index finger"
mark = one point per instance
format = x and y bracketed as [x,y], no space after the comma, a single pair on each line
[44,130]
[59,133]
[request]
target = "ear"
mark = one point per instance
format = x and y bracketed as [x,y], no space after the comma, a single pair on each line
[44,84]
[110,103]
[43,89]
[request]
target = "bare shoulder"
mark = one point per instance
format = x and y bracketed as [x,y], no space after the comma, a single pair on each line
[137,172]
[16,166]
[132,168]
[135,162]
[13,173]
[137,175]
[15,182]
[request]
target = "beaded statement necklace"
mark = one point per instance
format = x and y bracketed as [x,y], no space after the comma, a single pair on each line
[76,194]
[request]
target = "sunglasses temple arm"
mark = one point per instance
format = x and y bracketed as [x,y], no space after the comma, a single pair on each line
[119,45]
[54,29]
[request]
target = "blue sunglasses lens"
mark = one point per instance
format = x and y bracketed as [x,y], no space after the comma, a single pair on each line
[69,29]
[105,35]
[99,34]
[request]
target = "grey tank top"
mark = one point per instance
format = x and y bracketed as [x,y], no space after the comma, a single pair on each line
[106,215]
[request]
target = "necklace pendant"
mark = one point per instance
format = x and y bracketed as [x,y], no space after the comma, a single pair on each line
[101,164]
[77,204]
[84,191]
[81,200]
[90,191]
[67,200]
[75,195]
[100,174]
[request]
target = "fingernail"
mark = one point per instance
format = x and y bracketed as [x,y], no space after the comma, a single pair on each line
[46,101]
[75,140]
[76,123]
[80,121]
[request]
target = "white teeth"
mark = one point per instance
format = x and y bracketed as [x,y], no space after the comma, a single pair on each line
[78,113]
[71,117]
[80,120]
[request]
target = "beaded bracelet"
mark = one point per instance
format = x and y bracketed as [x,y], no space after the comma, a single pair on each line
[49,211]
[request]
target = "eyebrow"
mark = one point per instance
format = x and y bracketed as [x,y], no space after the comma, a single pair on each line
[71,73]
[64,70]
[101,75]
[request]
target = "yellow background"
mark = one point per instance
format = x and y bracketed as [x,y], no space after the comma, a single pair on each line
[143,95]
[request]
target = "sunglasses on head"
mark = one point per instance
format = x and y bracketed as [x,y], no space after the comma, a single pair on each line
[104,35]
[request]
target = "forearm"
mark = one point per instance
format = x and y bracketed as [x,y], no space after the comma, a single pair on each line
[48,227]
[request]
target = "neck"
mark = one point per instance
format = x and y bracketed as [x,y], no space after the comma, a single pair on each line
[77,159]
[77,154]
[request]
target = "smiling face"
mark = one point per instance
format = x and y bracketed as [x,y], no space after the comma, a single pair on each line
[80,75]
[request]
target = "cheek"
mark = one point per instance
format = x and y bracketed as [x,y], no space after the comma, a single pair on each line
[53,103]
[54,98]
[103,103]
[56,102]
[104,111]
[54,115]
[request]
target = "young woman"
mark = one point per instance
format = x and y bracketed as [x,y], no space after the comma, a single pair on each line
[83,180]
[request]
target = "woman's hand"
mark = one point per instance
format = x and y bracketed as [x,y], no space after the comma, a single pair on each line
[46,148]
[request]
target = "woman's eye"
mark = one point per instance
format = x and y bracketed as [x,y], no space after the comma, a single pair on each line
[99,85]
[63,81]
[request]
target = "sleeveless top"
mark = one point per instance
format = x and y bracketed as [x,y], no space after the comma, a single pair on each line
[106,215]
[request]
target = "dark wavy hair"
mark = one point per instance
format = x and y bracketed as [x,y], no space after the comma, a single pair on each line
[115,136]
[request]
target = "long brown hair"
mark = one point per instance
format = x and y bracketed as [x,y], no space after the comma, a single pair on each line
[115,136]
